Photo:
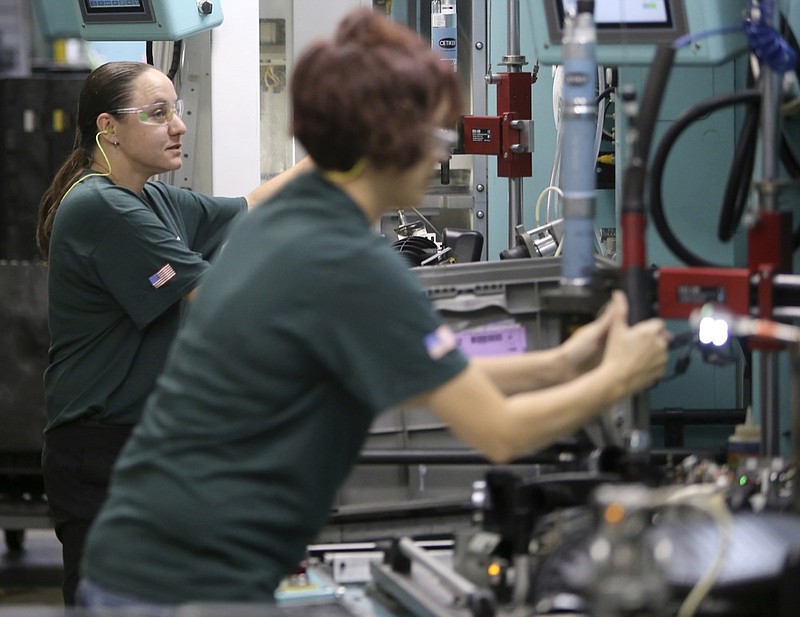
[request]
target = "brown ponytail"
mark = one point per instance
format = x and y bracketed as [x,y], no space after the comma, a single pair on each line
[69,172]
[107,87]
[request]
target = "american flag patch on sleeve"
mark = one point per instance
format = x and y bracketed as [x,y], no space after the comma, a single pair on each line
[162,277]
[440,342]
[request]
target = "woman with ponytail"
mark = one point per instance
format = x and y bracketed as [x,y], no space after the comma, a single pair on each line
[123,251]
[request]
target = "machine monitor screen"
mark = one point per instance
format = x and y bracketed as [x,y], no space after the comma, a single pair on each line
[117,11]
[625,14]
[629,31]
[631,21]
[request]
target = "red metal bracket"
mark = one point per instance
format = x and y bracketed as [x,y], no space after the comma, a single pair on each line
[496,135]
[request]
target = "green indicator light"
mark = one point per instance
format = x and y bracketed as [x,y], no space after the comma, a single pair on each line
[742,480]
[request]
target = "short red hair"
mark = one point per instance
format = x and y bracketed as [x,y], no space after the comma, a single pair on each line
[370,91]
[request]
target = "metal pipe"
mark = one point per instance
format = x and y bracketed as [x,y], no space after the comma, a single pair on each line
[514,209]
[794,360]
[794,375]
[453,581]
[513,46]
[457,457]
[768,198]
[515,216]
[770,121]
[698,416]
[770,125]
[770,420]
[788,281]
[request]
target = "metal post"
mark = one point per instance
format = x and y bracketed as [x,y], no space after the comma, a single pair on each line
[514,65]
[514,209]
[767,202]
[513,29]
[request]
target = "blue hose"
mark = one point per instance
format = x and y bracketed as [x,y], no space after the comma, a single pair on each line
[765,42]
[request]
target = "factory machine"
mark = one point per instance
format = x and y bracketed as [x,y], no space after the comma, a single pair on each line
[619,529]
[625,534]
[604,524]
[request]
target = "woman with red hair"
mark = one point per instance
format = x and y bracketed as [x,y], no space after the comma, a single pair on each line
[307,328]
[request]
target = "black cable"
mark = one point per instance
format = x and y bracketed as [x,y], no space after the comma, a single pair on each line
[660,70]
[742,165]
[637,279]
[796,238]
[177,49]
[788,157]
[746,97]
[415,249]
[604,94]
[737,189]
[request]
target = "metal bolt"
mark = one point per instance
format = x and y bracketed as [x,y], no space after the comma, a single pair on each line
[480,188]
[478,45]
[480,214]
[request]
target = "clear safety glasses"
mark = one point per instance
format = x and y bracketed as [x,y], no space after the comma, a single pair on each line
[443,141]
[157,113]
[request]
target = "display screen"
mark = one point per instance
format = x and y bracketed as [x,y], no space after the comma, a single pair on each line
[629,31]
[620,22]
[115,6]
[625,14]
[117,11]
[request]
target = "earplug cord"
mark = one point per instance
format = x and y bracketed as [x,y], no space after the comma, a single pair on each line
[97,173]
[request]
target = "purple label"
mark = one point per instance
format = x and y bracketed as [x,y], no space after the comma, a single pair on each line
[493,340]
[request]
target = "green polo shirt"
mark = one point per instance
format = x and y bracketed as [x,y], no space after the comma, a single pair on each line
[119,264]
[307,327]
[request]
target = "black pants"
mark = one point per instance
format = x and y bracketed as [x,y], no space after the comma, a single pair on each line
[76,465]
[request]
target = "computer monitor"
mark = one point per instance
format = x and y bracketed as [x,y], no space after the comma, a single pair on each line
[625,21]
[117,11]
[628,31]
[126,20]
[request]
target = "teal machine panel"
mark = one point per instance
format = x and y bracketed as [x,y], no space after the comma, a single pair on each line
[629,30]
[56,19]
[127,20]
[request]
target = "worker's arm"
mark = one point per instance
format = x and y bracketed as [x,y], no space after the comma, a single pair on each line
[264,192]
[273,185]
[503,428]
[547,367]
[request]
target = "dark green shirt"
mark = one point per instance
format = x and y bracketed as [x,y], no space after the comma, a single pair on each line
[307,327]
[112,315]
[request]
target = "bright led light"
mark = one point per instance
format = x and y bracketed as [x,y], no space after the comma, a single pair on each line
[706,330]
[714,331]
[720,333]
